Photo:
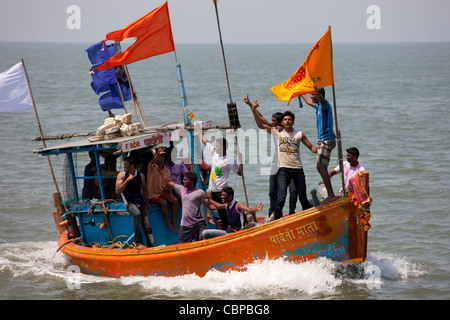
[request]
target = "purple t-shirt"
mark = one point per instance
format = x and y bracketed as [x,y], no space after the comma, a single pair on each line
[191,204]
[176,171]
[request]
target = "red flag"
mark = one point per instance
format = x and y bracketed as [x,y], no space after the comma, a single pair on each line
[153,37]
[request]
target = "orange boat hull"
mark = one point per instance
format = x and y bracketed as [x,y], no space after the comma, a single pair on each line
[334,231]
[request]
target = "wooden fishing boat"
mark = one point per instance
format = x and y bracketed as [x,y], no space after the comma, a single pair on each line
[337,231]
[98,236]
[334,231]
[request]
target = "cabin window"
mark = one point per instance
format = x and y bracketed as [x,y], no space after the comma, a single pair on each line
[81,178]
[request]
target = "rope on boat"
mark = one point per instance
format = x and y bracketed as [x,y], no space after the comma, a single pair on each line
[69,241]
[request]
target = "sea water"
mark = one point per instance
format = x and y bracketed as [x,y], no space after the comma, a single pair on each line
[393,105]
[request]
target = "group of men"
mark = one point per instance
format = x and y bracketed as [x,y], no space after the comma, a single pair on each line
[286,169]
[193,226]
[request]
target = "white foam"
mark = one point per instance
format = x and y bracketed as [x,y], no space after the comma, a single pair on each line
[264,278]
[394,267]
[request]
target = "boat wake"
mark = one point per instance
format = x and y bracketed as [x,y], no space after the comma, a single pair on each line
[263,279]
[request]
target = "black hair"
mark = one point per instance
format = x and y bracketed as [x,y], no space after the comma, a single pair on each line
[192,176]
[229,191]
[288,113]
[353,151]
[129,159]
[322,92]
[278,116]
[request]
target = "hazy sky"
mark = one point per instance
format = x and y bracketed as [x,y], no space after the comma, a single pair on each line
[242,21]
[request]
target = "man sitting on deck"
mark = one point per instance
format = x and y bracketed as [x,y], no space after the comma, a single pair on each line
[235,212]
[129,184]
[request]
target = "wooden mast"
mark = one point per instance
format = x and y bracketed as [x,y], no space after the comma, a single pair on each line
[231,106]
[338,133]
[39,125]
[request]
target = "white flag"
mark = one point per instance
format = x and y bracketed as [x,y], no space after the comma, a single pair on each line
[14,92]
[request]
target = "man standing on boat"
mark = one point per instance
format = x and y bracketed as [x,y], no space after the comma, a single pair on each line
[221,166]
[289,162]
[192,221]
[326,136]
[129,184]
[273,180]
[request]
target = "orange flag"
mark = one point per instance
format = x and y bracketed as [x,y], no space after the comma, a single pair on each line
[316,69]
[154,37]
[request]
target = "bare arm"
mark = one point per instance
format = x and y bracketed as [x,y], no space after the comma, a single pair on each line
[210,205]
[161,151]
[121,183]
[241,207]
[308,100]
[319,96]
[261,122]
[308,144]
[216,205]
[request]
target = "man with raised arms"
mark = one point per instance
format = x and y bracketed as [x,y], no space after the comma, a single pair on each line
[289,162]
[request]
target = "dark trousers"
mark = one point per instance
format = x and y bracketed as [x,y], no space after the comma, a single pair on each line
[285,175]
[222,212]
[273,194]
[140,215]
[192,232]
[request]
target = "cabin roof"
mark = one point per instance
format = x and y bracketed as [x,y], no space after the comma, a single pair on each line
[132,142]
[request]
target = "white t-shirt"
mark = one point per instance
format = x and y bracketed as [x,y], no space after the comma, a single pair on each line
[349,172]
[288,144]
[220,169]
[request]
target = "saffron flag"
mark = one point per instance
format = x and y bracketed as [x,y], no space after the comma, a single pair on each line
[153,37]
[317,69]
[14,92]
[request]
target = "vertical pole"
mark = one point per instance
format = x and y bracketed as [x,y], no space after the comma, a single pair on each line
[187,121]
[338,132]
[121,97]
[136,101]
[74,178]
[232,110]
[39,125]
[223,51]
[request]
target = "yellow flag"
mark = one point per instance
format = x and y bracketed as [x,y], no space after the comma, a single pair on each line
[316,69]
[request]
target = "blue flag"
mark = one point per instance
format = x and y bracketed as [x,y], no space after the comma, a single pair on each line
[109,79]
[102,80]
[98,54]
[300,104]
[112,99]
